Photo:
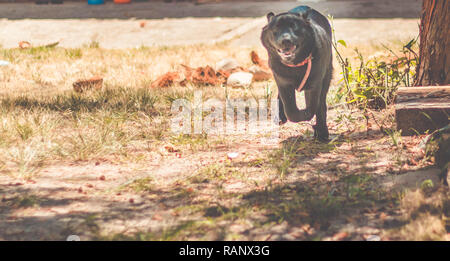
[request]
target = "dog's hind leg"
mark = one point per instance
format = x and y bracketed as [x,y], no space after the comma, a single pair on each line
[321,129]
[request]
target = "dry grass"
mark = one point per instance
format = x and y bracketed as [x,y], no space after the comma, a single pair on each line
[426,215]
[44,123]
[44,120]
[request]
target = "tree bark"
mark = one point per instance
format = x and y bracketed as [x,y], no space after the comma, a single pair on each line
[434,56]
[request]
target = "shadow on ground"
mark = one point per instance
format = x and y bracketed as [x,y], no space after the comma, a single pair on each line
[337,198]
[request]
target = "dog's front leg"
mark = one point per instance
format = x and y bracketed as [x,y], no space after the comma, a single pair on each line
[290,106]
[281,114]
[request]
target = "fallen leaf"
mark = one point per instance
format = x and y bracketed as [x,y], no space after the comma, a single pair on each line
[166,80]
[340,236]
[157,217]
[24,45]
[257,61]
[92,83]
[170,148]
[205,76]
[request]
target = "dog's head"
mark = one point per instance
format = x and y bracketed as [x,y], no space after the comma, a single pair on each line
[289,35]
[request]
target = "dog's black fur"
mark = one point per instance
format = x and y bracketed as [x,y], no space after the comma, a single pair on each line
[289,38]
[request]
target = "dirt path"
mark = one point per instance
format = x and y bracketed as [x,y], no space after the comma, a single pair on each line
[159,10]
[133,26]
[185,31]
[169,197]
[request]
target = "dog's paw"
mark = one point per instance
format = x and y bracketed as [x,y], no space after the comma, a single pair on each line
[321,134]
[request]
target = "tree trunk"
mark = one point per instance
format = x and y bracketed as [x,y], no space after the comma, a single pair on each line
[434,44]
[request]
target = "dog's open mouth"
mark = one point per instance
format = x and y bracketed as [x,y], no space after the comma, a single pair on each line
[287,52]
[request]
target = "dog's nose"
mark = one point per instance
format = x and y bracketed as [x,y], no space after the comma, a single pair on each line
[286,42]
[286,39]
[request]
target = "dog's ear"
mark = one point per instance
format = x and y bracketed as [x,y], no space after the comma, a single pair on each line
[270,16]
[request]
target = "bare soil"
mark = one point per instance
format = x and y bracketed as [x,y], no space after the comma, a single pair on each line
[294,189]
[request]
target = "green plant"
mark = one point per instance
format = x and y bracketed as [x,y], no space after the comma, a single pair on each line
[374,81]
[141,185]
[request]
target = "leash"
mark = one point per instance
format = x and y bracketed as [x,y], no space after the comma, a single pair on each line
[308,70]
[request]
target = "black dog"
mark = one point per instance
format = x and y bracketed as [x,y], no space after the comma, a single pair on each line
[300,55]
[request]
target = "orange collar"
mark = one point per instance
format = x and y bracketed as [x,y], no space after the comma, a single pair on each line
[308,70]
[308,59]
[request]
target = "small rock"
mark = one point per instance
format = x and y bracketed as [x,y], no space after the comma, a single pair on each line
[227,64]
[102,177]
[240,79]
[232,155]
[373,238]
[4,63]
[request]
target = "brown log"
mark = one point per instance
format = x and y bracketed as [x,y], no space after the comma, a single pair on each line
[422,109]
[434,58]
[405,94]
